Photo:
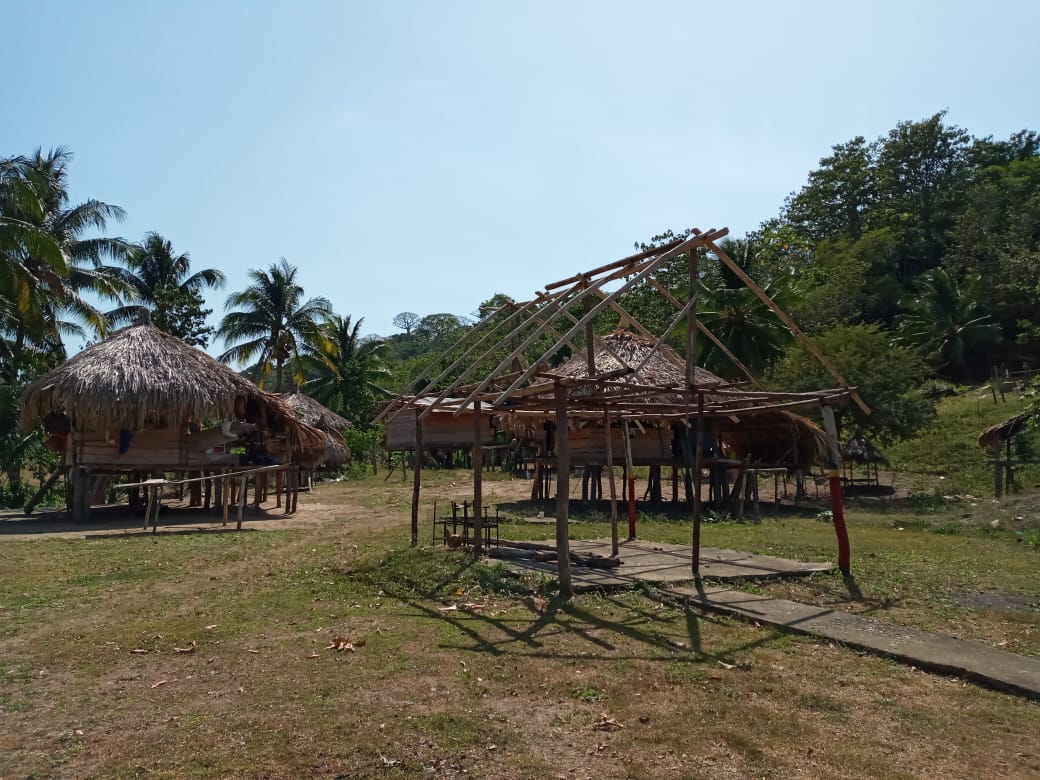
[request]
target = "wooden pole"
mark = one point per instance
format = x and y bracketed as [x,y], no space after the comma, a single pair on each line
[241,501]
[613,486]
[630,473]
[148,507]
[417,478]
[225,497]
[698,449]
[791,326]
[478,483]
[834,478]
[563,490]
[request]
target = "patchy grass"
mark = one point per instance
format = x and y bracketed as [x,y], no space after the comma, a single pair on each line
[946,458]
[460,668]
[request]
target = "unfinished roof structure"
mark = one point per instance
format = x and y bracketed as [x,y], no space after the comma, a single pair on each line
[506,364]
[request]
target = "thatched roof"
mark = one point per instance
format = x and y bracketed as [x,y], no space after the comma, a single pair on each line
[632,349]
[863,451]
[313,413]
[337,453]
[995,434]
[138,376]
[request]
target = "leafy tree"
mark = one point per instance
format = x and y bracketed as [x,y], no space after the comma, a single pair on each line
[181,313]
[152,267]
[946,322]
[840,193]
[887,377]
[921,173]
[343,368]
[406,321]
[48,262]
[272,323]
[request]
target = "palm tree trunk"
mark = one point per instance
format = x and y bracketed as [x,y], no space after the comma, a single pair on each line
[278,375]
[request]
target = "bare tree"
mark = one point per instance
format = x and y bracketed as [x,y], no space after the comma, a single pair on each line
[406,320]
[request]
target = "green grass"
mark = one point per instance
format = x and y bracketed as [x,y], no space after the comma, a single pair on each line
[946,458]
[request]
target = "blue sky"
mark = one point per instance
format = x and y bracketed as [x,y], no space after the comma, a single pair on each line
[423,156]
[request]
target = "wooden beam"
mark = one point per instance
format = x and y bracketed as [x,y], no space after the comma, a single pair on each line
[707,332]
[779,312]
[638,277]
[417,478]
[478,484]
[616,264]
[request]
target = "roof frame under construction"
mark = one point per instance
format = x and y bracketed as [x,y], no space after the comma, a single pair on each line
[488,369]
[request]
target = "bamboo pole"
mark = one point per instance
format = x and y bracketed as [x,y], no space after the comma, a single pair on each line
[563,490]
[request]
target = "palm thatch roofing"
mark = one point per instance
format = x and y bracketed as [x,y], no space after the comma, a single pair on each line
[995,434]
[862,450]
[141,377]
[634,355]
[314,413]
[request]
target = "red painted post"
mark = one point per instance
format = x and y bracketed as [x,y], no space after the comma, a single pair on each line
[834,481]
[838,516]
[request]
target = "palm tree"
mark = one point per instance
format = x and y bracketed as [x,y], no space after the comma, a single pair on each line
[739,318]
[343,368]
[153,266]
[273,322]
[47,262]
[946,321]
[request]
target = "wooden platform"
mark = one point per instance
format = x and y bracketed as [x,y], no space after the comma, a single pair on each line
[662,563]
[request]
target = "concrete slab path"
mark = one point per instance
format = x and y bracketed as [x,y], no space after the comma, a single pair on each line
[663,563]
[985,665]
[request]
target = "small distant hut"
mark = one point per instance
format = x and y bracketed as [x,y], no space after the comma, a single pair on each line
[319,416]
[999,437]
[862,452]
[142,401]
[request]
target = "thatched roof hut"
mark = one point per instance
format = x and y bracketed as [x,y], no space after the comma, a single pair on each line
[142,378]
[136,378]
[313,413]
[994,435]
[862,450]
[317,415]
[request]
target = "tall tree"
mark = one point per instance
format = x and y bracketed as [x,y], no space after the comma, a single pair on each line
[49,258]
[839,195]
[272,323]
[153,266]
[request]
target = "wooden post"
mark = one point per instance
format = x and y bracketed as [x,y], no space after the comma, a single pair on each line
[241,500]
[225,497]
[150,497]
[156,503]
[695,543]
[478,483]
[613,486]
[563,490]
[998,472]
[416,479]
[631,479]
[834,478]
